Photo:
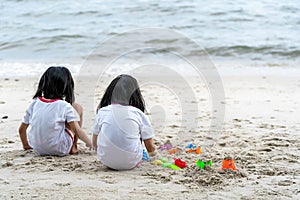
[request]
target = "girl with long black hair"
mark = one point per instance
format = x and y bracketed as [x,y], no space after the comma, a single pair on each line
[121,125]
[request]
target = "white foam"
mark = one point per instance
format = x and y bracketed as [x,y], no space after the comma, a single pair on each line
[27,69]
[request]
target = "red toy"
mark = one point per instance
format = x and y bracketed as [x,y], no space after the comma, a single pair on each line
[179,163]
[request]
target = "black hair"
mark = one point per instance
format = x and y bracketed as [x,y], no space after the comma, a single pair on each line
[56,83]
[124,89]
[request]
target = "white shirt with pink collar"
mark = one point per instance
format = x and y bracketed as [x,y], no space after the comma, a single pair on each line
[48,134]
[120,130]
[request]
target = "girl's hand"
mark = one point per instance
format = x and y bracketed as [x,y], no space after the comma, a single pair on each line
[27,147]
[153,153]
[89,145]
[149,144]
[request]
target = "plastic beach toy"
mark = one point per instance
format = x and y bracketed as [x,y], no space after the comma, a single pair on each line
[145,155]
[166,147]
[157,162]
[201,164]
[173,166]
[228,163]
[179,163]
[190,148]
[169,165]
[197,150]
[173,151]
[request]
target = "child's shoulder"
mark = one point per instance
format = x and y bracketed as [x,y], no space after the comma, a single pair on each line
[32,103]
[137,111]
[104,110]
[134,109]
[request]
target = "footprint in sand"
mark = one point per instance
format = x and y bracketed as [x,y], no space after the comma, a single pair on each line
[286,183]
[62,184]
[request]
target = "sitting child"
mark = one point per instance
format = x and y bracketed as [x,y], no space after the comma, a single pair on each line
[121,125]
[54,117]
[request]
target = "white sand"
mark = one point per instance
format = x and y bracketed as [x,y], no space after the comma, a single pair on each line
[261,133]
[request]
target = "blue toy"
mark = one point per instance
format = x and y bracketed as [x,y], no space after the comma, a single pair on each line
[145,155]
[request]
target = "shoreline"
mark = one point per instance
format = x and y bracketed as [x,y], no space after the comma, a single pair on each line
[224,68]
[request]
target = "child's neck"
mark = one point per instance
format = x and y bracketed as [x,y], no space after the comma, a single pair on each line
[117,103]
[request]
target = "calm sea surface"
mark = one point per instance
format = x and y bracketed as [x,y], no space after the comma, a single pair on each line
[68,31]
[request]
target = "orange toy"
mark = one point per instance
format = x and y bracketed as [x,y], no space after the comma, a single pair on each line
[173,151]
[228,163]
[197,150]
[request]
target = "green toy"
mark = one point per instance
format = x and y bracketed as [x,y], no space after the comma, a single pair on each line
[166,165]
[169,165]
[201,164]
[175,167]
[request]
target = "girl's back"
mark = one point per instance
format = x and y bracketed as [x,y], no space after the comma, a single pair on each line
[121,125]
[54,117]
[121,129]
[49,117]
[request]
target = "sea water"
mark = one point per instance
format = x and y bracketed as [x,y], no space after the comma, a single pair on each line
[36,34]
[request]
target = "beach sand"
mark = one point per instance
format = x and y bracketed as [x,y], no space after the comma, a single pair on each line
[261,132]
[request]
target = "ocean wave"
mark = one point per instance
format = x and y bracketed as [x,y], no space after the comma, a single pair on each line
[229,51]
[8,45]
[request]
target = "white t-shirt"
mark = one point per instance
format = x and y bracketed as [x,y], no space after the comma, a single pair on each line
[120,130]
[48,134]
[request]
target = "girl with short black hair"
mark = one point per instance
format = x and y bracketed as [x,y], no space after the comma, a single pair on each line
[54,117]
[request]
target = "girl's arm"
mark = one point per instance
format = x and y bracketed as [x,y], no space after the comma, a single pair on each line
[94,141]
[150,147]
[23,136]
[75,128]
